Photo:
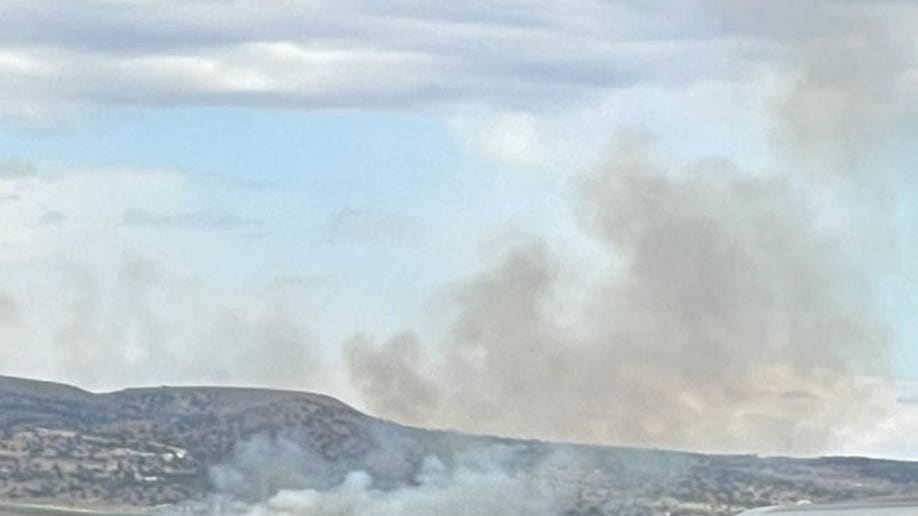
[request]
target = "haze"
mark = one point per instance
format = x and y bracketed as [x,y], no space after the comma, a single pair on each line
[684,224]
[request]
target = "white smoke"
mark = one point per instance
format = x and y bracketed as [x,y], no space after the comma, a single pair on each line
[464,491]
[277,476]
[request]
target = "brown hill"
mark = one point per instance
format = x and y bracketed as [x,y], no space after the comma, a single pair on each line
[145,447]
[149,446]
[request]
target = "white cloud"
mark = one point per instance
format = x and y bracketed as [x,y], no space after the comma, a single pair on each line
[81,301]
[510,137]
[59,58]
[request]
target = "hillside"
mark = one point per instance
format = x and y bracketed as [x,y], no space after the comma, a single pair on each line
[148,447]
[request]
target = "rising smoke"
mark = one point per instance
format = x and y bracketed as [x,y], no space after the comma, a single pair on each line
[728,314]
[729,323]
[734,317]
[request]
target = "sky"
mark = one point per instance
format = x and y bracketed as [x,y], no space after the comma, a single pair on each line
[682,223]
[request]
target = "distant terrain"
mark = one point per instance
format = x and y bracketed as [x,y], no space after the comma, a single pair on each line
[143,448]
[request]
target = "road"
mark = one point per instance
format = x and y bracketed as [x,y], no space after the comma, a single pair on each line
[898,507]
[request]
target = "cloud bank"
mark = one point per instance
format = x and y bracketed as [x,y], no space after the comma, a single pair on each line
[81,301]
[59,60]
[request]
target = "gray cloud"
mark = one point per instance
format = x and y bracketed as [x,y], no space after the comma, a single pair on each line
[96,319]
[12,335]
[200,220]
[333,54]
[306,55]
[850,68]
[52,217]
[367,224]
[9,310]
[140,325]
[13,168]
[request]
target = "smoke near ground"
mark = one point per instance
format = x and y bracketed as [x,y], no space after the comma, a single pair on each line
[463,491]
[281,476]
[407,471]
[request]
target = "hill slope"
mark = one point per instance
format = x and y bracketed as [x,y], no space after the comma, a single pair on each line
[146,447]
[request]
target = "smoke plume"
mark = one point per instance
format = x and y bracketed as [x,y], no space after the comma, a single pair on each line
[729,313]
[729,322]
